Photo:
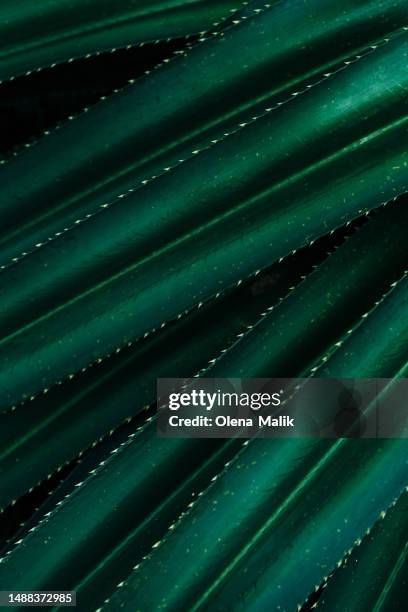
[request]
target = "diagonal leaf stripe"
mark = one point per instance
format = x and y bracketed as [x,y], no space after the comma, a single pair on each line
[372,577]
[35,35]
[325,305]
[240,210]
[294,211]
[133,303]
[40,436]
[150,126]
[240,553]
[164,456]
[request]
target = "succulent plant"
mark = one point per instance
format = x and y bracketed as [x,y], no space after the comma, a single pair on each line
[238,210]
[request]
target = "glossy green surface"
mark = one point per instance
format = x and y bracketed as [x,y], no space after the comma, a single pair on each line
[319,496]
[374,576]
[288,123]
[166,457]
[181,108]
[43,434]
[40,34]
[302,180]
[320,310]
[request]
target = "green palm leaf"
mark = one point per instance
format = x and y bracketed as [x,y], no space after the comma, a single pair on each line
[37,35]
[239,210]
[147,128]
[372,577]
